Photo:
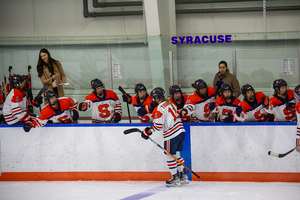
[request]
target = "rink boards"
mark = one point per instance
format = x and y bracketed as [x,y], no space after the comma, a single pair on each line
[217,152]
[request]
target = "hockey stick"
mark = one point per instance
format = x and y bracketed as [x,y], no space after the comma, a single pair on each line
[281,155]
[41,92]
[128,131]
[124,93]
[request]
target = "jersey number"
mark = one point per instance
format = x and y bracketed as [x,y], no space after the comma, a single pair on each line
[173,114]
[290,114]
[104,112]
[260,117]
[226,112]
[65,119]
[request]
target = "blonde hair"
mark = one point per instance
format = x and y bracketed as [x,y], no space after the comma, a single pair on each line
[167,100]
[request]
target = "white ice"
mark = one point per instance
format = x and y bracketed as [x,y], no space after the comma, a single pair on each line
[95,190]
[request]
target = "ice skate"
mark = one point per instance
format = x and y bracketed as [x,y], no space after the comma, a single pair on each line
[184,177]
[174,181]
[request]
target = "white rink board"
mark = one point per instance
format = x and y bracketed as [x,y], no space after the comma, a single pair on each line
[243,149]
[76,148]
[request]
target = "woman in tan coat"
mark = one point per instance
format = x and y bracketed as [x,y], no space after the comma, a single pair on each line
[51,72]
[224,76]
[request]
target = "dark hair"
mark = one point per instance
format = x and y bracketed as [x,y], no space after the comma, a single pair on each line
[41,63]
[223,62]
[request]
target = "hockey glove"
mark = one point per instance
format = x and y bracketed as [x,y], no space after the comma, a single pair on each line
[27,126]
[212,106]
[26,117]
[219,83]
[117,117]
[265,101]
[229,119]
[82,106]
[290,106]
[127,98]
[75,115]
[38,100]
[182,112]
[142,111]
[238,110]
[146,133]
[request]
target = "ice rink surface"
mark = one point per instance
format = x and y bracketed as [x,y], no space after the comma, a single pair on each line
[95,190]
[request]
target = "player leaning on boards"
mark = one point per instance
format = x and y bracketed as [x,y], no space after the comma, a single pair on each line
[59,110]
[282,104]
[179,99]
[142,102]
[15,105]
[225,105]
[253,107]
[105,104]
[198,102]
[166,119]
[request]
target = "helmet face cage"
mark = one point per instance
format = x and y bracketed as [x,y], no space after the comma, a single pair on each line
[224,87]
[246,88]
[139,87]
[15,80]
[157,93]
[49,94]
[279,83]
[199,84]
[173,89]
[97,83]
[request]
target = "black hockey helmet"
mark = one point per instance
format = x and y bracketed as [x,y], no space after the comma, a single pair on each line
[297,90]
[279,83]
[175,88]
[246,88]
[199,84]
[48,94]
[96,83]
[226,86]
[139,87]
[157,93]
[15,80]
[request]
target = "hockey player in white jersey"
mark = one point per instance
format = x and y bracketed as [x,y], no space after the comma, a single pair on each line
[15,105]
[167,120]
[282,104]
[105,104]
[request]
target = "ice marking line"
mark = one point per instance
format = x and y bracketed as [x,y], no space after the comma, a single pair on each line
[146,193]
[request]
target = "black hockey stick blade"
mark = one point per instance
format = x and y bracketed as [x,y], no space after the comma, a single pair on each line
[121,89]
[281,155]
[43,90]
[131,130]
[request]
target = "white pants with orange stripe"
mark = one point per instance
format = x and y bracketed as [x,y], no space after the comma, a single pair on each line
[173,164]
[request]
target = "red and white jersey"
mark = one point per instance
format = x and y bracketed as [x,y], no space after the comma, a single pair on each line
[60,115]
[103,108]
[255,113]
[186,118]
[198,107]
[137,105]
[15,106]
[278,108]
[166,119]
[225,109]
